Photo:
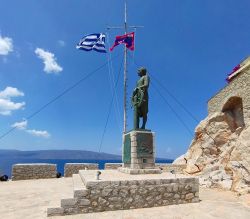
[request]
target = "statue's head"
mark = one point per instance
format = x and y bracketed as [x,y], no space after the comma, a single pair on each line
[142,71]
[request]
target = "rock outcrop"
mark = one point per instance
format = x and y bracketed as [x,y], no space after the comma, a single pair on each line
[220,153]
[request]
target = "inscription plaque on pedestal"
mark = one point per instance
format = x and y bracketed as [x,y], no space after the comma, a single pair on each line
[127,149]
[145,145]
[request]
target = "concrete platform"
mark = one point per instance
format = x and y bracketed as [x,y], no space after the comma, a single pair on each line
[114,175]
[29,199]
[139,171]
[118,191]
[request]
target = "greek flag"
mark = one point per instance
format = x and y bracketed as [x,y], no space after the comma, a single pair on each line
[94,41]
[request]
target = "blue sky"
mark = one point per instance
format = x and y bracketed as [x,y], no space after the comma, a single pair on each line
[190,46]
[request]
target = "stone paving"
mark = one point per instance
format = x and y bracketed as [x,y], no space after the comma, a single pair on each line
[30,199]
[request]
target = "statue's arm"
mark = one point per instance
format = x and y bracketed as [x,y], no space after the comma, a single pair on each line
[145,82]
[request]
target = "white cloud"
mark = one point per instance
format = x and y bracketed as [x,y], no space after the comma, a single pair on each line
[61,43]
[9,92]
[6,45]
[23,126]
[6,104]
[20,125]
[49,60]
[38,133]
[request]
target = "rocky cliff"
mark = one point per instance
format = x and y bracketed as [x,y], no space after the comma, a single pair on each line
[220,153]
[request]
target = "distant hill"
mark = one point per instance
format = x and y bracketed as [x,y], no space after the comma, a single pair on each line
[59,157]
[57,154]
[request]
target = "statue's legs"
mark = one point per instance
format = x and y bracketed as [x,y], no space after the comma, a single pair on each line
[136,118]
[145,118]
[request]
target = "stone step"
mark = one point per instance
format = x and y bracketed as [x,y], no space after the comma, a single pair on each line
[75,204]
[79,189]
[85,173]
[77,182]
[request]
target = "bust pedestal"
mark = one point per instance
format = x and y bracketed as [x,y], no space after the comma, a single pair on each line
[138,154]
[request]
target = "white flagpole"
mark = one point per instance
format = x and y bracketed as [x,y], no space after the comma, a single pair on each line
[125,27]
[125,75]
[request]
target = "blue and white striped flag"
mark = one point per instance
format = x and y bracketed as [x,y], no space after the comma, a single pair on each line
[94,41]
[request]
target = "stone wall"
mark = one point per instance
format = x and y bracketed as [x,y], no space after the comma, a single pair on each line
[33,171]
[136,194]
[238,87]
[73,168]
[129,194]
[112,166]
[167,167]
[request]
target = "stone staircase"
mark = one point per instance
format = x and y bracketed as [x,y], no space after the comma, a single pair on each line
[74,205]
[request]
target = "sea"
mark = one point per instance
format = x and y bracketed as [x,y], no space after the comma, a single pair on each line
[6,164]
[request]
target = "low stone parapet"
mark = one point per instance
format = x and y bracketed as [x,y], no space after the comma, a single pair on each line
[168,167]
[112,166]
[73,168]
[119,191]
[34,171]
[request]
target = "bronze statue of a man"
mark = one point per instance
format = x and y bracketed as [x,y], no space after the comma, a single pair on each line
[140,98]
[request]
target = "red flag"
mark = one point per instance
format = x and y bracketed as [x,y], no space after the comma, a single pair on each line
[127,39]
[232,74]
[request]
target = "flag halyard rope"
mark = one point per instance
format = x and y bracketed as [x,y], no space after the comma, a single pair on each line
[110,107]
[112,85]
[60,95]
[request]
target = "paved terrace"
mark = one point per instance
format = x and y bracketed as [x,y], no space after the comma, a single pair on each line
[30,199]
[107,175]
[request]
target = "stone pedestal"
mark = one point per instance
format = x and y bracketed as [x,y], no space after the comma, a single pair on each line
[139,152]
